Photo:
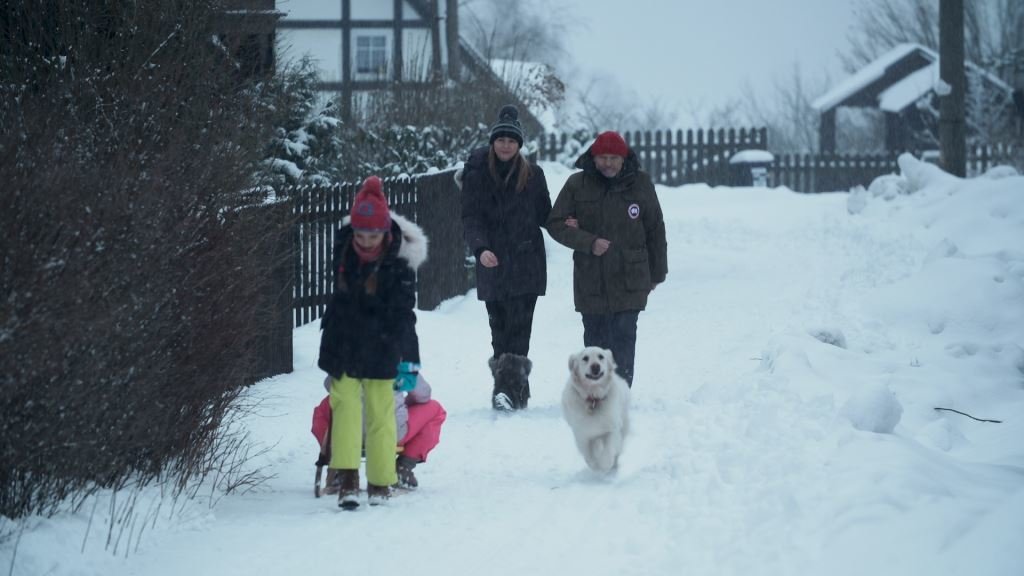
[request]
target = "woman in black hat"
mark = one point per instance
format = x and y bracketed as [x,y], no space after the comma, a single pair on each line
[505,203]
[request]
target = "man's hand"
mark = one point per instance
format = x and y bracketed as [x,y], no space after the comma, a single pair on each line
[600,246]
[488,259]
[572,222]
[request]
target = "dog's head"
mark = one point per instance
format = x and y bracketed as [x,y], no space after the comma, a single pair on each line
[591,370]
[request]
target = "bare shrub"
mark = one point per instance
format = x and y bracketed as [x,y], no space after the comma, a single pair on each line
[132,277]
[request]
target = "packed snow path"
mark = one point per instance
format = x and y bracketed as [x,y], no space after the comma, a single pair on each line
[744,456]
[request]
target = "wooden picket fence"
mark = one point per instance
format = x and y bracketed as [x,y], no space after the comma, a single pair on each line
[431,200]
[829,172]
[840,172]
[676,157]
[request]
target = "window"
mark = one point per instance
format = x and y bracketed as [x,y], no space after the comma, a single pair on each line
[371,56]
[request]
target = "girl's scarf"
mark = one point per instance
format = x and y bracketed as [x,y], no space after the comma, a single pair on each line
[366,257]
[369,255]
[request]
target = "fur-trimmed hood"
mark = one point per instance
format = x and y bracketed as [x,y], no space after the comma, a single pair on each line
[413,248]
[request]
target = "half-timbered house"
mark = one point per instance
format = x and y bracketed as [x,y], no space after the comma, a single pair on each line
[361,46]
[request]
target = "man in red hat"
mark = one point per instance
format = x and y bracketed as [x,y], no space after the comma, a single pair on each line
[609,214]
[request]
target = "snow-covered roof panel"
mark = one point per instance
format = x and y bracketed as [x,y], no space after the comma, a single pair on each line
[518,71]
[866,75]
[908,90]
[915,85]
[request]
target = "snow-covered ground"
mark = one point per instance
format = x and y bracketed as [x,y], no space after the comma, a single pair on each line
[783,409]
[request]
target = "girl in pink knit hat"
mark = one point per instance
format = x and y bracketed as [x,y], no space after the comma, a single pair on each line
[369,345]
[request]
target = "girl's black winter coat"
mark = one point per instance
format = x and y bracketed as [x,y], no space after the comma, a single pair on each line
[370,324]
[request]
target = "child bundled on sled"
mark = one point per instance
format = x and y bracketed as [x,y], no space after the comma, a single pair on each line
[418,420]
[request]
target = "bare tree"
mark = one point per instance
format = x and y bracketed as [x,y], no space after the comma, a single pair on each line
[603,104]
[656,114]
[791,120]
[731,112]
[882,24]
[529,30]
[524,44]
[1007,58]
[993,48]
[993,32]
[785,111]
[536,31]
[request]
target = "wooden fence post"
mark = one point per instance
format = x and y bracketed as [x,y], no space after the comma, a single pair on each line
[658,167]
[447,272]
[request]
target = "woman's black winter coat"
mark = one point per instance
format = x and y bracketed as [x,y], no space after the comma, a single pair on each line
[496,217]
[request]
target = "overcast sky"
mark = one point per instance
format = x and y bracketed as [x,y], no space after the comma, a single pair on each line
[699,53]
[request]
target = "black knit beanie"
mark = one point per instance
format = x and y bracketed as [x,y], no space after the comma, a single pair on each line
[508,125]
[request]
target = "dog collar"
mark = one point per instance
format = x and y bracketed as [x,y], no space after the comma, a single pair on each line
[592,403]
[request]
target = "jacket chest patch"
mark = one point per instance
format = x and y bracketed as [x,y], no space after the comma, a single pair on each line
[634,211]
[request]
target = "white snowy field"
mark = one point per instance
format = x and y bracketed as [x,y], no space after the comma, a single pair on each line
[784,417]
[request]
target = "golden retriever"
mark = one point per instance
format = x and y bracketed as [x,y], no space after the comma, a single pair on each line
[595,404]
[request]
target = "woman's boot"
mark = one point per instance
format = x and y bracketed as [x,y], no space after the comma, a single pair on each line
[511,381]
[501,400]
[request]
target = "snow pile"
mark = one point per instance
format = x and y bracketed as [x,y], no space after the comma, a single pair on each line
[873,409]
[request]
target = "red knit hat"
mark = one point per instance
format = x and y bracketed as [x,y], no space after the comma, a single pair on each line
[370,207]
[609,143]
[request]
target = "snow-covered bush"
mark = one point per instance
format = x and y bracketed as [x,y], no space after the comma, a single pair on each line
[313,145]
[309,143]
[393,149]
